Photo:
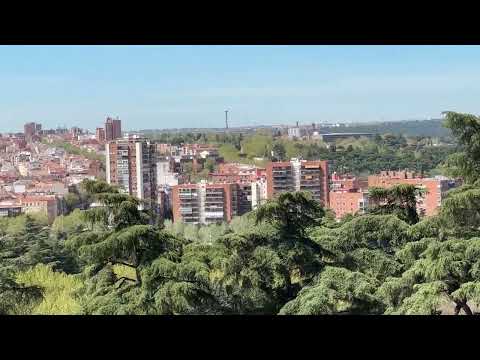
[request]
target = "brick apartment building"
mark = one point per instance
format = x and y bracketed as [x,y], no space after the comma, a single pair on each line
[100,135]
[235,190]
[209,203]
[233,172]
[131,164]
[164,149]
[348,202]
[435,188]
[30,130]
[299,175]
[347,196]
[113,129]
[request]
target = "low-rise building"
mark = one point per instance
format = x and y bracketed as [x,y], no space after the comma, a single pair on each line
[294,132]
[11,210]
[46,204]
[49,187]
[166,177]
[344,202]
[434,188]
[234,172]
[332,137]
[347,196]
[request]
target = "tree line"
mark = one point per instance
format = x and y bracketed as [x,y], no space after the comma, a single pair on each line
[423,154]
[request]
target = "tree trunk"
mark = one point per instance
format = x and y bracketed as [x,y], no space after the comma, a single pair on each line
[467,309]
[458,307]
[137,273]
[462,305]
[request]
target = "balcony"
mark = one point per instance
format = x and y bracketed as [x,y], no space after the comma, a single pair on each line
[188,196]
[282,181]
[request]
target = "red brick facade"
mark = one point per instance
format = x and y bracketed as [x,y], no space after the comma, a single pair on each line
[310,176]
[347,202]
[427,205]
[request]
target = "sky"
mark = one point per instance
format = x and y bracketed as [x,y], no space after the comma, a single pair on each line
[155,87]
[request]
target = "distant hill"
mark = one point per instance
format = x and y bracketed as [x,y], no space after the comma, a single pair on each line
[432,128]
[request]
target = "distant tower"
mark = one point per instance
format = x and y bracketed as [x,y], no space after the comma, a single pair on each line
[226,119]
[113,129]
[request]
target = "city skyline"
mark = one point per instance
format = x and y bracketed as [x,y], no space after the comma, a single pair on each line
[161,87]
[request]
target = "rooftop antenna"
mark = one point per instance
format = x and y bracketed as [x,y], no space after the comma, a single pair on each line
[226,119]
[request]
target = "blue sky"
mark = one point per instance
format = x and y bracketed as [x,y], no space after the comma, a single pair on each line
[186,86]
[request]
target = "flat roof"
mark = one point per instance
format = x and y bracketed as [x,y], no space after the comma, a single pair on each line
[345,134]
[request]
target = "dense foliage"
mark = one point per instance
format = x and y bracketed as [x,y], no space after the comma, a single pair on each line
[432,127]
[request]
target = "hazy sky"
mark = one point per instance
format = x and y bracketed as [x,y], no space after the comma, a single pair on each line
[186,86]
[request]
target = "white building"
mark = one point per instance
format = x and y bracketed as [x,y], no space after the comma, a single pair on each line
[294,132]
[164,176]
[259,192]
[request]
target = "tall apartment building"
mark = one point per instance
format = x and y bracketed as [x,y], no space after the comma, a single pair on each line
[113,129]
[299,175]
[31,129]
[164,203]
[435,188]
[100,135]
[131,165]
[109,130]
[244,197]
[259,192]
[75,131]
[210,203]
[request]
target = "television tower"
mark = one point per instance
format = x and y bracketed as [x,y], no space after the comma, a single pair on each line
[226,119]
